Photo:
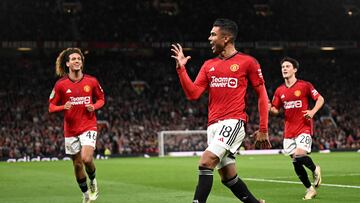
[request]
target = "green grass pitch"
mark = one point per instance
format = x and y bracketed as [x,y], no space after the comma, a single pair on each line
[172,180]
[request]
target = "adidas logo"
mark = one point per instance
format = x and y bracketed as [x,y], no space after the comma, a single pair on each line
[212,69]
[68,91]
[282,96]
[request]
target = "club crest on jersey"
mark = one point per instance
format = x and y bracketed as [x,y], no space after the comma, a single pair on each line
[297,93]
[234,67]
[87,88]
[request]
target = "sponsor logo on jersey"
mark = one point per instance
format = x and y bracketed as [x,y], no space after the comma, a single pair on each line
[297,93]
[87,88]
[80,100]
[68,91]
[292,104]
[282,96]
[212,69]
[221,139]
[223,82]
[234,67]
[52,95]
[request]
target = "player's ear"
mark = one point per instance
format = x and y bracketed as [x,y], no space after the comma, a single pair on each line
[227,38]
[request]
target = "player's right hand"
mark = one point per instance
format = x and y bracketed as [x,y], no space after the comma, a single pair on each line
[179,56]
[67,105]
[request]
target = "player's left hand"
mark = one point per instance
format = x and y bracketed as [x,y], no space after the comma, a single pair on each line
[90,107]
[308,114]
[262,140]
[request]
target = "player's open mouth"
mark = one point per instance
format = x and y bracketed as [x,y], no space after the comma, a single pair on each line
[212,46]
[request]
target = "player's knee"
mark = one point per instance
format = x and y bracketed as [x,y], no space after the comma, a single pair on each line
[87,160]
[300,152]
[206,164]
[208,160]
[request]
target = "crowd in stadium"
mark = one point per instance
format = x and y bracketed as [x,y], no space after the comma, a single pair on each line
[136,113]
[143,94]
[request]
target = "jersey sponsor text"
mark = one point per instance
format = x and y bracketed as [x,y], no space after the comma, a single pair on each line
[292,104]
[80,100]
[223,82]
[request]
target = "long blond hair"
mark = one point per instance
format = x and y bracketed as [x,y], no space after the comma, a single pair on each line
[60,67]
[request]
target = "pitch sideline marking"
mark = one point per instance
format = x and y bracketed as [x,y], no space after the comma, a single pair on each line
[334,175]
[293,182]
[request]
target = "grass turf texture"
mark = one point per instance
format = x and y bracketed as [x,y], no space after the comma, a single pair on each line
[164,180]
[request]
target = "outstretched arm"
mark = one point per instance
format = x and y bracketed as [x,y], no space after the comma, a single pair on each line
[192,90]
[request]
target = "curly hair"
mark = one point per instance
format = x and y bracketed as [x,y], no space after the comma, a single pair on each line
[64,57]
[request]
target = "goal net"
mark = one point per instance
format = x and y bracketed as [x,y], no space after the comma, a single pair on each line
[182,142]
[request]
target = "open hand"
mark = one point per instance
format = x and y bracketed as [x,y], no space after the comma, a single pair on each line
[178,55]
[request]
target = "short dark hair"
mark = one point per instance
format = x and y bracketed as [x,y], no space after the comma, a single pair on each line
[228,26]
[294,62]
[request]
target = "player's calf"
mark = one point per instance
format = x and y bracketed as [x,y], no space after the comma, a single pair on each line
[317,176]
[240,190]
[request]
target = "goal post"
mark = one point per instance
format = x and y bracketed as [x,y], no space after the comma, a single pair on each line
[167,140]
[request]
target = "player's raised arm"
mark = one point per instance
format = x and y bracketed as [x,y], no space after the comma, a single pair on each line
[179,56]
[193,90]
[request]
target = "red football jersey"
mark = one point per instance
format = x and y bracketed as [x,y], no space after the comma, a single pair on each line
[77,119]
[294,100]
[227,81]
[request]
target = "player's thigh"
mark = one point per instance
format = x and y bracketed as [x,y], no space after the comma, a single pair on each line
[225,138]
[88,143]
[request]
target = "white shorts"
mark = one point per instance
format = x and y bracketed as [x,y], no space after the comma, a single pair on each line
[73,144]
[303,141]
[224,139]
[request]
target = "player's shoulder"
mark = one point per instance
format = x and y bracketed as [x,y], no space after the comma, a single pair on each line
[90,78]
[62,80]
[303,82]
[211,60]
[281,87]
[246,57]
